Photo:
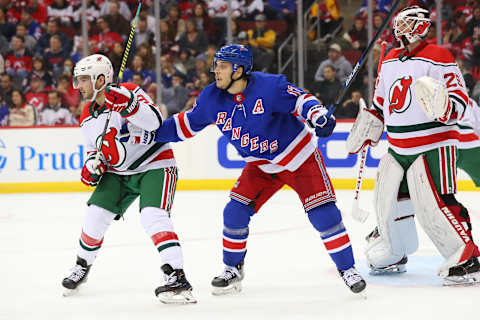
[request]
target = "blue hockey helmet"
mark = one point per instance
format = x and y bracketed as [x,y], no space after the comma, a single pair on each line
[236,54]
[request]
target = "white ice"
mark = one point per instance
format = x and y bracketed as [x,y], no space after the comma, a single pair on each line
[288,272]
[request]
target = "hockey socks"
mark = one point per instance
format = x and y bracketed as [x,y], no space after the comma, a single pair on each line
[159,227]
[328,221]
[236,217]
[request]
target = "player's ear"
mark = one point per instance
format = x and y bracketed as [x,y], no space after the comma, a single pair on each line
[238,74]
[100,81]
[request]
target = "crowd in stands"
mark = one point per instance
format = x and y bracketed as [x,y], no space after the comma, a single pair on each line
[41,40]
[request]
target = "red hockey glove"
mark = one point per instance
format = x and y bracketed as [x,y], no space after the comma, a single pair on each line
[121,100]
[91,175]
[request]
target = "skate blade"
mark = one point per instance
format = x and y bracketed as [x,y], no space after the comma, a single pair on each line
[467,280]
[69,292]
[184,297]
[388,270]
[234,288]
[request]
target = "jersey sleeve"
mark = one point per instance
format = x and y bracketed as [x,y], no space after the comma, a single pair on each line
[184,125]
[148,116]
[294,100]
[379,94]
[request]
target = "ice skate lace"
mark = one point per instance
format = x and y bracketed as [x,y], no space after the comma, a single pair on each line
[351,277]
[229,273]
[78,272]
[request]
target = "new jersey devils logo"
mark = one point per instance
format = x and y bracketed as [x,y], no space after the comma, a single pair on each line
[112,149]
[421,28]
[400,95]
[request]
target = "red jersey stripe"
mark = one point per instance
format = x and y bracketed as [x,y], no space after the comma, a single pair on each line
[183,125]
[337,243]
[433,138]
[164,236]
[234,245]
[295,150]
[89,241]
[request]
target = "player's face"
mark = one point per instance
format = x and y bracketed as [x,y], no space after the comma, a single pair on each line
[223,72]
[84,84]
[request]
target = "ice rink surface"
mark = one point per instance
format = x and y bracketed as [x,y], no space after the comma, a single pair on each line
[288,272]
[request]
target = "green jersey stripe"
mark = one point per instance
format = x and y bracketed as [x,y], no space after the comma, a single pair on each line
[168,245]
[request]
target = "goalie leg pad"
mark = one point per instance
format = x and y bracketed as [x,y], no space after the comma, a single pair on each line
[444,229]
[397,235]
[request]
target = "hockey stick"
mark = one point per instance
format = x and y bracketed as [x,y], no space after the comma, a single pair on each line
[358,213]
[119,79]
[361,61]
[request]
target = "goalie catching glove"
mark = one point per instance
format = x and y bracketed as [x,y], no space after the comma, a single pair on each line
[320,119]
[432,96]
[121,100]
[91,175]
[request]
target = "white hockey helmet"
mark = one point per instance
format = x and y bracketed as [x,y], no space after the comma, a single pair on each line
[94,66]
[411,24]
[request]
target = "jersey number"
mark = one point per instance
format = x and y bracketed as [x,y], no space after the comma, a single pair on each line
[453,80]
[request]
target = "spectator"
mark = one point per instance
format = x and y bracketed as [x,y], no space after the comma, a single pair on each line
[2,65]
[349,108]
[142,34]
[36,95]
[103,41]
[204,22]
[55,113]
[167,35]
[330,19]
[146,53]
[92,12]
[200,67]
[61,10]
[29,41]
[357,36]
[39,11]
[263,40]
[193,40]
[176,96]
[150,19]
[68,65]
[138,80]
[55,56]
[116,21]
[19,60]
[185,62]
[44,41]
[167,71]
[252,8]
[6,88]
[116,55]
[218,8]
[4,46]
[328,89]
[473,23]
[342,66]
[281,10]
[70,96]
[178,25]
[6,28]
[34,28]
[39,69]
[122,9]
[4,113]
[22,114]
[137,66]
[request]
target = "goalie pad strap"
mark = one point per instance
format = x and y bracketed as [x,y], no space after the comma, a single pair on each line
[440,224]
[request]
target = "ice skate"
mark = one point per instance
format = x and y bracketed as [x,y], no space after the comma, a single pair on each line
[176,290]
[353,280]
[230,281]
[76,278]
[468,273]
[398,267]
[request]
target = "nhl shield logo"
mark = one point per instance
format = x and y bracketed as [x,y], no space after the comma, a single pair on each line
[400,95]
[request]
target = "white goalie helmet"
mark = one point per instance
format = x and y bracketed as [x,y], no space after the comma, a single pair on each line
[411,24]
[94,66]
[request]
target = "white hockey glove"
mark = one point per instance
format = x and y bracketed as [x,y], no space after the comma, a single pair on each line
[432,96]
[367,129]
[323,121]
[138,135]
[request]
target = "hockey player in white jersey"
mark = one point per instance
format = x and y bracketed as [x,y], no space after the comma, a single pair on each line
[420,95]
[124,172]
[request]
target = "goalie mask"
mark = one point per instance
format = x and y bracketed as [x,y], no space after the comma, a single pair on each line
[93,66]
[411,24]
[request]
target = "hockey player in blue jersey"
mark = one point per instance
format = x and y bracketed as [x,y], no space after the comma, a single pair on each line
[261,115]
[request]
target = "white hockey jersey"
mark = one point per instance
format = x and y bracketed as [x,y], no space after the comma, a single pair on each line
[409,130]
[125,158]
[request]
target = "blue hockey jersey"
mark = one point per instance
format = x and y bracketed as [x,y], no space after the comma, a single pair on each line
[264,122]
